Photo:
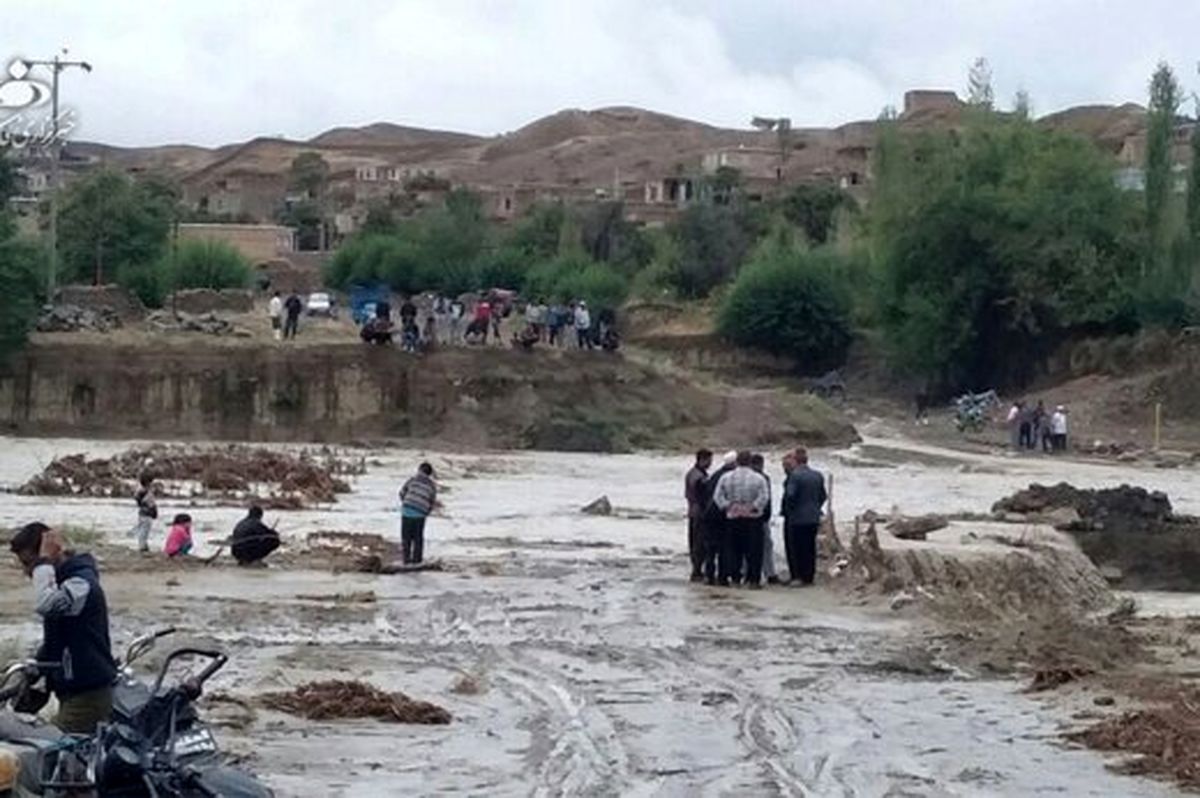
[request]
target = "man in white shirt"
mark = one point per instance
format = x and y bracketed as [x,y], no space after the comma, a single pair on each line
[742,495]
[275,311]
[1058,429]
[583,326]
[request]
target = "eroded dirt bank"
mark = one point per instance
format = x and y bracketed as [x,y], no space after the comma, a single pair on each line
[496,398]
[597,669]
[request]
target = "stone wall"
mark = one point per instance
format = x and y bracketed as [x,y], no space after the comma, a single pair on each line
[205,300]
[122,302]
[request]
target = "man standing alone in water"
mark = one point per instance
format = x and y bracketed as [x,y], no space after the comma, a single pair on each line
[418,498]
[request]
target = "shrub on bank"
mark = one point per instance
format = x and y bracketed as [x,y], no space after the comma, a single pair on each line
[790,302]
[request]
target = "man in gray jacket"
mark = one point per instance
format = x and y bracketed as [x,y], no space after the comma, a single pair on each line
[803,497]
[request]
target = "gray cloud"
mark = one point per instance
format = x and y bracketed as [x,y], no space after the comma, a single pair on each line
[226,70]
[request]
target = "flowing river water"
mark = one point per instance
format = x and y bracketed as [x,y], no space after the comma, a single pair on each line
[602,670]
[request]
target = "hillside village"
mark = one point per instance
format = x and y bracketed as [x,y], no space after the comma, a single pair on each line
[653,163]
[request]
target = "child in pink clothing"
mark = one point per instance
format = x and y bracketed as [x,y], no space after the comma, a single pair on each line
[179,538]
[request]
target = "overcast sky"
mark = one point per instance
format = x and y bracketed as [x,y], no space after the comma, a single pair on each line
[215,71]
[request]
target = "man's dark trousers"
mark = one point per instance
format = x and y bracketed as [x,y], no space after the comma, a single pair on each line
[412,539]
[290,326]
[801,543]
[748,537]
[696,545]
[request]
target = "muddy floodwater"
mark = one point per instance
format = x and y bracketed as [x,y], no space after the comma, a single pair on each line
[601,670]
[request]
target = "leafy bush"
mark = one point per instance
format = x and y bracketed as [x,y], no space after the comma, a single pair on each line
[789,302]
[597,284]
[150,282]
[208,264]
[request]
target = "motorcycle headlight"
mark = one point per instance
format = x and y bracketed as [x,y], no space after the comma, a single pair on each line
[10,768]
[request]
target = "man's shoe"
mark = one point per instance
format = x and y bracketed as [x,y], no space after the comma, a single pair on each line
[697,577]
[773,580]
[753,586]
[711,582]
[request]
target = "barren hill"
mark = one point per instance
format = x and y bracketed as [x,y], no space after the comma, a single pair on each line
[570,147]
[387,135]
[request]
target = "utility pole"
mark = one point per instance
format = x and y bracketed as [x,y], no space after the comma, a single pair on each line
[56,65]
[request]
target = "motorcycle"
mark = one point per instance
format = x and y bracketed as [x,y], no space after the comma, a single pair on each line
[154,746]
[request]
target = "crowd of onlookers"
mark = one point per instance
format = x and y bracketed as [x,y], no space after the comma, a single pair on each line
[495,319]
[1032,426]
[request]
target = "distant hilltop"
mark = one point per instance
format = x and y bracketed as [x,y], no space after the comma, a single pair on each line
[649,160]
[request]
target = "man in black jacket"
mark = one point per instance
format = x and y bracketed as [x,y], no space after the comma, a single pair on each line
[803,497]
[69,599]
[253,540]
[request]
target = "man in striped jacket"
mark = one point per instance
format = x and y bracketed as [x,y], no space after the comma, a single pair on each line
[418,498]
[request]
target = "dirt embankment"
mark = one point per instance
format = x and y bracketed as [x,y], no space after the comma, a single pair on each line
[1130,532]
[573,401]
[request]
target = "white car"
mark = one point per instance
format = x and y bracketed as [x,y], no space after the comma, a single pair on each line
[319,304]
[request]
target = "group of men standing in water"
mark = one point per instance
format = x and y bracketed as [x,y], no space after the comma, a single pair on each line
[729,519]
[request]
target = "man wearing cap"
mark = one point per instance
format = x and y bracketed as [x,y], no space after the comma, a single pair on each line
[418,498]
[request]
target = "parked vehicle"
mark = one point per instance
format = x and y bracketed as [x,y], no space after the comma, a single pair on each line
[155,746]
[320,304]
[365,299]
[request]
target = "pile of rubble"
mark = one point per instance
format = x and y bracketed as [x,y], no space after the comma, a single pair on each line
[345,699]
[208,323]
[1079,510]
[232,472]
[74,318]
[1131,533]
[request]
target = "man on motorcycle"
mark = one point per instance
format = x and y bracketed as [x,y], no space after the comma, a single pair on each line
[68,597]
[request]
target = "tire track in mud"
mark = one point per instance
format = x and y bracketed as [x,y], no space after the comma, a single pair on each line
[583,754]
[767,734]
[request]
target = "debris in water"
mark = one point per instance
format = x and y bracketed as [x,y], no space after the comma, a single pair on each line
[227,472]
[345,699]
[1166,740]
[917,528]
[468,684]
[374,564]
[1055,677]
[601,506]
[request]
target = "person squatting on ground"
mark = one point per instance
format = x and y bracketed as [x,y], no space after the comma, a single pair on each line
[742,495]
[803,497]
[695,493]
[418,498]
[147,512]
[68,597]
[179,537]
[252,540]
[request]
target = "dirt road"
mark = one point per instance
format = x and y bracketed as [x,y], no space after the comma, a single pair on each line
[601,671]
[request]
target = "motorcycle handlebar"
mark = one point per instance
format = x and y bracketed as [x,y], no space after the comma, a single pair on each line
[218,661]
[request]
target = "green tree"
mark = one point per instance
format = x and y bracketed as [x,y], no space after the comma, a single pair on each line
[1193,196]
[1160,132]
[309,173]
[210,264]
[979,84]
[22,263]
[992,244]
[1023,105]
[714,239]
[306,217]
[107,220]
[790,302]
[813,208]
